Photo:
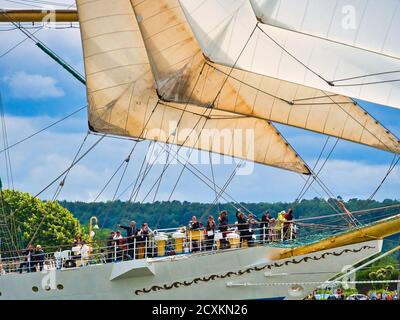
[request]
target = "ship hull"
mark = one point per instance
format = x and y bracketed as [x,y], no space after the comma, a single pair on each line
[250,273]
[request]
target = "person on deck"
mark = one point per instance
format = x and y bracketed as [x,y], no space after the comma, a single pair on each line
[78,240]
[223,228]
[253,227]
[243,227]
[110,246]
[210,232]
[85,254]
[265,226]
[38,258]
[118,240]
[131,233]
[279,225]
[27,264]
[143,236]
[195,225]
[288,225]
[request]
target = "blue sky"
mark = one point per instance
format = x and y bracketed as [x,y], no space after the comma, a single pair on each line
[36,92]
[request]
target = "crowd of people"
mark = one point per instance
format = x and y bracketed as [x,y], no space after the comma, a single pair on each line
[340,294]
[138,241]
[134,244]
[33,261]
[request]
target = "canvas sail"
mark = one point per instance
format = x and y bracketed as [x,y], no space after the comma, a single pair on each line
[370,25]
[123,99]
[360,60]
[183,74]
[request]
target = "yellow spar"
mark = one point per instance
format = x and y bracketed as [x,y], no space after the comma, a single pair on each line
[38,16]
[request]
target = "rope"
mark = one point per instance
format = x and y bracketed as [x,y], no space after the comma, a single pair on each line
[300,196]
[62,183]
[365,76]
[56,179]
[391,168]
[7,156]
[332,82]
[71,166]
[47,50]
[213,179]
[203,177]
[210,110]
[43,129]
[227,183]
[309,283]
[291,55]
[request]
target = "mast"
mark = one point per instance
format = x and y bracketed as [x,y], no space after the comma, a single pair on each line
[38,15]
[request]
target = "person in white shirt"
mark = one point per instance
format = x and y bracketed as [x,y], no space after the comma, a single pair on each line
[85,250]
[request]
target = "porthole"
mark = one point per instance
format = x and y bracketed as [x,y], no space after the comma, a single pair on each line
[296,290]
[35,289]
[60,287]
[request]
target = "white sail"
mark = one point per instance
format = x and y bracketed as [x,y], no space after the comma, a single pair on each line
[183,74]
[370,25]
[315,60]
[123,100]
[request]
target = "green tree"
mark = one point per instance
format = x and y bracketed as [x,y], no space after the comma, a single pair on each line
[40,222]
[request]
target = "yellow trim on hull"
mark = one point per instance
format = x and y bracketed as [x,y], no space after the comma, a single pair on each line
[379,230]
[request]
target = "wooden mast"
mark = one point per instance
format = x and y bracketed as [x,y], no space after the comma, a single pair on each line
[38,15]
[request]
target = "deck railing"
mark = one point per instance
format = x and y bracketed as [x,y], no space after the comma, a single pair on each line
[159,243]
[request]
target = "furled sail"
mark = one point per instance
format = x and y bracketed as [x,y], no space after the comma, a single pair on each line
[313,43]
[183,74]
[123,99]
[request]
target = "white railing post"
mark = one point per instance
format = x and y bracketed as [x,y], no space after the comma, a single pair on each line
[201,239]
[282,233]
[145,249]
[291,231]
[115,251]
[190,241]
[264,233]
[134,248]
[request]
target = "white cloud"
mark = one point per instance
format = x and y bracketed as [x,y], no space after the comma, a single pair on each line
[33,86]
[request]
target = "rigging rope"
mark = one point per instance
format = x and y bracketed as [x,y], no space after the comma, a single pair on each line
[7,156]
[210,110]
[300,196]
[331,82]
[43,129]
[213,179]
[62,183]
[391,168]
[57,178]
[202,177]
[76,74]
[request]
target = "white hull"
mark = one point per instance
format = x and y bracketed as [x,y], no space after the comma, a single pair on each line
[233,274]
